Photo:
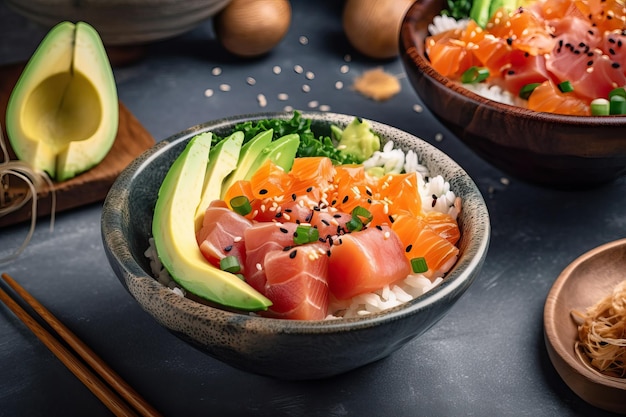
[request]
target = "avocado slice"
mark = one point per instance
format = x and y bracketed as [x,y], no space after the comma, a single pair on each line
[175,238]
[282,152]
[62,115]
[249,152]
[480,12]
[223,159]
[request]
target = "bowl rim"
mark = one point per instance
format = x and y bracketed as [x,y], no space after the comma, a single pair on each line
[456,281]
[413,23]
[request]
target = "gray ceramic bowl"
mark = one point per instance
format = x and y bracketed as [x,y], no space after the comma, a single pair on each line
[283,348]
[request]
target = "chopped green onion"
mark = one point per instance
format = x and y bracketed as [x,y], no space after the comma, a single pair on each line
[241,205]
[230,263]
[305,234]
[600,107]
[566,87]
[474,75]
[419,265]
[361,212]
[619,91]
[617,105]
[354,225]
[527,90]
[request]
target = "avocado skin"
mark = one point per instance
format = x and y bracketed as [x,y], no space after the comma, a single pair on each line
[173,230]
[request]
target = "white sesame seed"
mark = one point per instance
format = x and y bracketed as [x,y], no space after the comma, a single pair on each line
[418,108]
[208,92]
[288,108]
[224,87]
[276,69]
[283,96]
[504,181]
[338,85]
[306,88]
[309,75]
[250,81]
[298,69]
[303,40]
[216,71]
[312,104]
[387,235]
[344,69]
[259,267]
[439,137]
[262,100]
[237,239]
[324,107]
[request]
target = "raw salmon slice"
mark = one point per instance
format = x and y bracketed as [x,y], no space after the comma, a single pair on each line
[419,240]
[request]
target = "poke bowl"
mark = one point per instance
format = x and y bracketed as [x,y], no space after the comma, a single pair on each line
[291,349]
[541,147]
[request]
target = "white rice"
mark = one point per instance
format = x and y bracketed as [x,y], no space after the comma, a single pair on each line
[431,188]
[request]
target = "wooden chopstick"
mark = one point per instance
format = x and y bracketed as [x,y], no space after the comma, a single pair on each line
[87,377]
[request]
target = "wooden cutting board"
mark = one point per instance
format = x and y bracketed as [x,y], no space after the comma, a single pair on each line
[91,186]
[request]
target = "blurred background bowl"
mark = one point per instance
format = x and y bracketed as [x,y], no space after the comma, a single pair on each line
[123,22]
[548,149]
[286,349]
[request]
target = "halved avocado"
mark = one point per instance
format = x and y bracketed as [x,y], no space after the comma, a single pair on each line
[62,115]
[173,229]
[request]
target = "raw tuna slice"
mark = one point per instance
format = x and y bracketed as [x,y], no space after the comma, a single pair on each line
[260,239]
[366,261]
[222,234]
[296,282]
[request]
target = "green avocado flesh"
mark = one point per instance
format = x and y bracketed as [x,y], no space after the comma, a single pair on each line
[173,229]
[62,115]
[282,152]
[247,156]
[223,159]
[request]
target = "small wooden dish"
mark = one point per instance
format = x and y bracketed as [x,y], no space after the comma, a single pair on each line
[584,282]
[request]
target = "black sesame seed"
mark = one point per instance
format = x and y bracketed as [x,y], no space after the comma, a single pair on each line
[286,248]
[262,191]
[283,230]
[308,190]
[345,200]
[228,248]
[391,220]
[408,248]
[589,63]
[293,253]
[615,65]
[293,197]
[326,223]
[379,227]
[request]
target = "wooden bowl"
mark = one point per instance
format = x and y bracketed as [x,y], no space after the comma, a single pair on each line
[550,149]
[582,284]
